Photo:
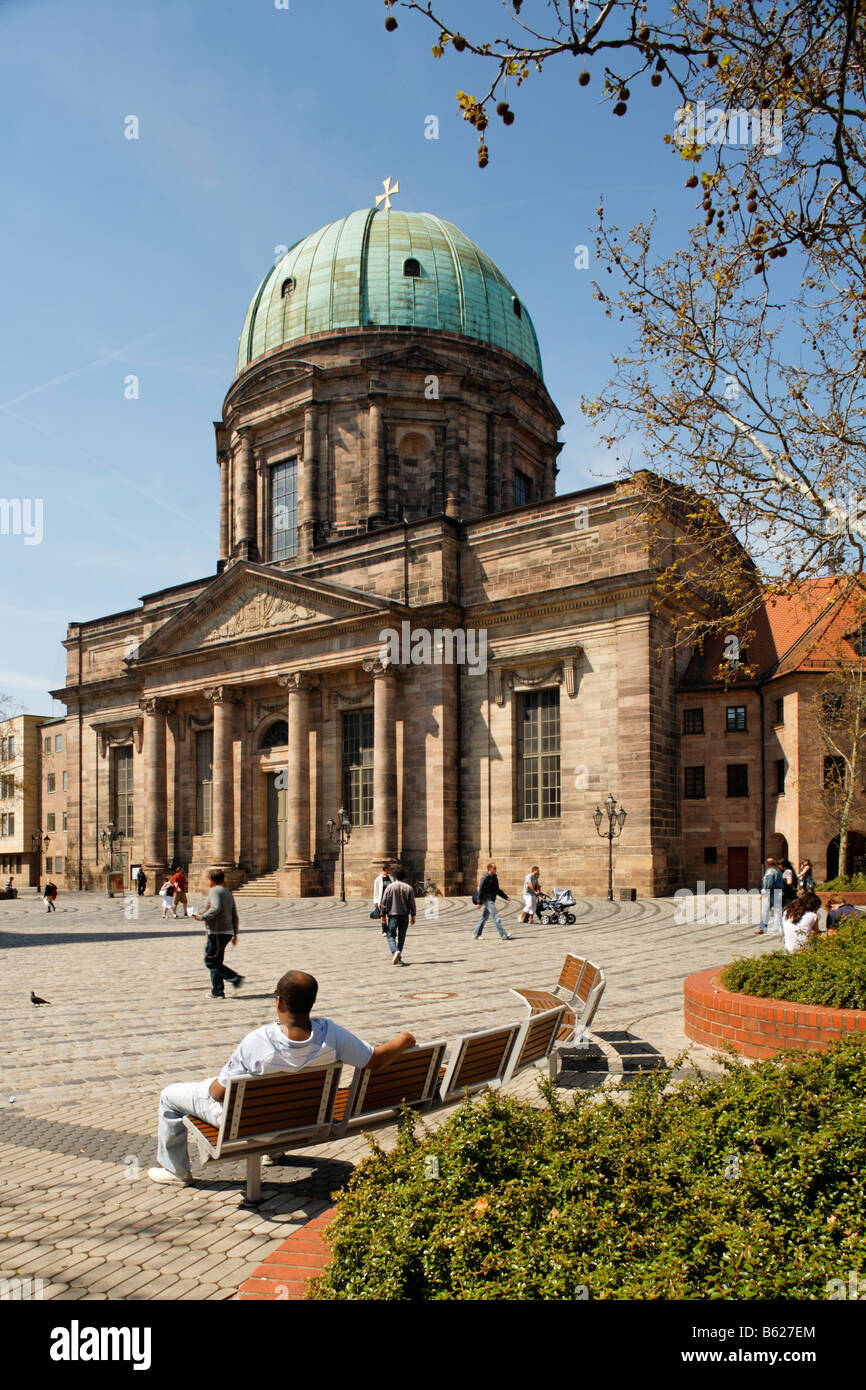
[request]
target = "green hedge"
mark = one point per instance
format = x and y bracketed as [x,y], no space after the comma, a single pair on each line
[828,970]
[854,883]
[745,1185]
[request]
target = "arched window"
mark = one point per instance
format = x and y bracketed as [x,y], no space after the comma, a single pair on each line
[276,735]
[288,287]
[515,304]
[412,268]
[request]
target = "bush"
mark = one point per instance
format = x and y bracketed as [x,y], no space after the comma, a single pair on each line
[740,1186]
[828,970]
[854,883]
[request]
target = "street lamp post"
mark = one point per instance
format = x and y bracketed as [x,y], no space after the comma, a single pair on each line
[615,823]
[340,830]
[109,838]
[40,842]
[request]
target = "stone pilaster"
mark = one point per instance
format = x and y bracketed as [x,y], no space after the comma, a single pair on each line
[224,461]
[309,511]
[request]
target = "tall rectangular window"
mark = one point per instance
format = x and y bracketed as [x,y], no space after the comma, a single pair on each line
[693,720]
[51,821]
[358,765]
[120,789]
[736,719]
[694,788]
[738,779]
[204,782]
[538,766]
[284,510]
[66,781]
[780,711]
[835,773]
[50,781]
[781,768]
[58,743]
[522,488]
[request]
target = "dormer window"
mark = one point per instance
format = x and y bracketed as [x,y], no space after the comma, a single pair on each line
[516,306]
[412,268]
[288,287]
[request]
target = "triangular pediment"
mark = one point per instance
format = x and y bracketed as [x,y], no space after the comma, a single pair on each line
[249,601]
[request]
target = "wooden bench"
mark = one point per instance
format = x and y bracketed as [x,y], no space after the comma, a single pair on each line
[580,986]
[290,1110]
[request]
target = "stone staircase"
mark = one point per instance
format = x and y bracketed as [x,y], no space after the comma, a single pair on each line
[265,886]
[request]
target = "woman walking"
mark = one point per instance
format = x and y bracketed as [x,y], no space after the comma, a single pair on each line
[807,876]
[531,890]
[166,892]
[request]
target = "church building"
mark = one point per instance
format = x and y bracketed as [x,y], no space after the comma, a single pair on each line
[404,619]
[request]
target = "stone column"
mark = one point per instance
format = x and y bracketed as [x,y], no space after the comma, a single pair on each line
[155,792]
[224,464]
[223,698]
[377,487]
[245,547]
[309,516]
[299,877]
[384,759]
[452,466]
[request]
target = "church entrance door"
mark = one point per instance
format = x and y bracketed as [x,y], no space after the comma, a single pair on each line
[276,821]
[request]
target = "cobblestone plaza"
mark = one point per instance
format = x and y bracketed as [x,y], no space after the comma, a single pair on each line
[130,1011]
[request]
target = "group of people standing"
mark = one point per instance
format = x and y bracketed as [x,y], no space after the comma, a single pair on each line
[395,907]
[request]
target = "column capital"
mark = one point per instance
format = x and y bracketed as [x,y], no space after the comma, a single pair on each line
[377,667]
[298,680]
[221,694]
[155,704]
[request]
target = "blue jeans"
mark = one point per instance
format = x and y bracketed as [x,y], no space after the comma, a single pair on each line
[395,933]
[215,948]
[187,1098]
[771,901]
[489,910]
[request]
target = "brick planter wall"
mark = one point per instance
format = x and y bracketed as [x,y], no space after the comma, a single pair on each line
[758,1027]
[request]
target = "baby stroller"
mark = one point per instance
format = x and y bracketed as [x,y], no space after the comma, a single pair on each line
[553,911]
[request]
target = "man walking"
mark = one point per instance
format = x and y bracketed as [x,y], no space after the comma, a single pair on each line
[772,885]
[296,1040]
[221,919]
[381,883]
[141,882]
[398,910]
[488,892]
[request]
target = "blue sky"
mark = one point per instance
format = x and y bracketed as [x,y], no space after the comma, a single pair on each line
[256,126]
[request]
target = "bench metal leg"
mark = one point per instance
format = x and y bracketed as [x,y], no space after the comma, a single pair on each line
[254,1178]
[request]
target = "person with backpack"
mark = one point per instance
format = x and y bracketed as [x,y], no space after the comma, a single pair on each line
[485,897]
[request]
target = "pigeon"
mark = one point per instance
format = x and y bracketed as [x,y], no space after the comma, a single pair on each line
[34,999]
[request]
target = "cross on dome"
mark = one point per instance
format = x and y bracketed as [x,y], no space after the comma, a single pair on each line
[386,196]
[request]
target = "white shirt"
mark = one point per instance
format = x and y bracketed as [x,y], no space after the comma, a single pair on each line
[379,888]
[268,1049]
[798,933]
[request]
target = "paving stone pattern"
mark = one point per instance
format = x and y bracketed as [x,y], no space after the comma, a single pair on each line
[131,1011]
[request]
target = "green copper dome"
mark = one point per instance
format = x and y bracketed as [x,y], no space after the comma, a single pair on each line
[388,269]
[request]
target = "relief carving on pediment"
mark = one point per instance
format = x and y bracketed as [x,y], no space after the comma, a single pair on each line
[262,612]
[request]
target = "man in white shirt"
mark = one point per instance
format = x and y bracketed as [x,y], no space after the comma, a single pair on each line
[381,883]
[295,1041]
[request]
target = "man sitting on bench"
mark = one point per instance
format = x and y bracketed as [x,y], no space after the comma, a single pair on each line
[295,1041]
